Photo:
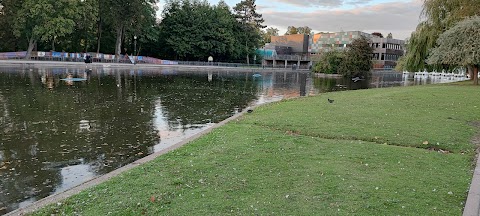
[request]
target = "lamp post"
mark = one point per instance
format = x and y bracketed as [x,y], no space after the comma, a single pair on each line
[135,45]
[134,49]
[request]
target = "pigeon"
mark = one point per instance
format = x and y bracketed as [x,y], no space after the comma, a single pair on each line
[330,101]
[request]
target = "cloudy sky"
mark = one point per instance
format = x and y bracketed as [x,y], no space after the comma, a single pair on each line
[400,17]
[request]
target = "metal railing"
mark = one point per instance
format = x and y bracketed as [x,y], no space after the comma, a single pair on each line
[288,57]
[106,58]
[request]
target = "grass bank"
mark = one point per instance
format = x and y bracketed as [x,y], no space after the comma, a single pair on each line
[396,151]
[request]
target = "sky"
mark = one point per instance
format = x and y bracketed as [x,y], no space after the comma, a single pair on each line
[399,17]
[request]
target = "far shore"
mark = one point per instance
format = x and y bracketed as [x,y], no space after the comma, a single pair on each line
[138,66]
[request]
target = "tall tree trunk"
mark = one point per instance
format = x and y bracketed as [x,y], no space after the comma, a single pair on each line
[475,74]
[99,36]
[246,49]
[118,44]
[31,45]
[470,71]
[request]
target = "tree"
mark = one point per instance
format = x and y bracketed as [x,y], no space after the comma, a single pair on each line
[127,16]
[459,45]
[305,30]
[227,25]
[44,20]
[378,34]
[85,28]
[439,16]
[193,29]
[358,58]
[251,23]
[8,10]
[330,62]
[174,29]
[268,33]
[291,30]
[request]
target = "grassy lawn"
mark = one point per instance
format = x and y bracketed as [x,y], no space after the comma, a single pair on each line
[364,154]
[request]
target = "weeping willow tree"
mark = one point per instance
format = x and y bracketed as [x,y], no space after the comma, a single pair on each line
[439,16]
[459,46]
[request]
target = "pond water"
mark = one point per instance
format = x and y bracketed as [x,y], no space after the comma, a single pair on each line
[61,126]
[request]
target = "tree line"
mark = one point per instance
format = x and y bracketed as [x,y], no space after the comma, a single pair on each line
[189,29]
[446,38]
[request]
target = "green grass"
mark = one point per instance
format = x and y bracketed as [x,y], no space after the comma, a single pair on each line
[277,161]
[409,116]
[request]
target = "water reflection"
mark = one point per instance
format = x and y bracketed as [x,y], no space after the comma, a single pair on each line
[63,126]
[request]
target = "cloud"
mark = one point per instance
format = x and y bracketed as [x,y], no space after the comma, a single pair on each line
[358,2]
[322,3]
[400,18]
[312,3]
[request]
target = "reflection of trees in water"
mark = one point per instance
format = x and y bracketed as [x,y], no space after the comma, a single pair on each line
[326,84]
[284,84]
[44,130]
[329,84]
[190,99]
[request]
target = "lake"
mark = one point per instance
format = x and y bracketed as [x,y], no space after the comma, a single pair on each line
[62,126]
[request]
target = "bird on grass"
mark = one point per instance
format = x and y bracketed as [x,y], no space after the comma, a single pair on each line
[330,101]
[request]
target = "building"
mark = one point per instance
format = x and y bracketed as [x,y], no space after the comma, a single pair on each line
[298,43]
[386,52]
[289,50]
[322,42]
[301,49]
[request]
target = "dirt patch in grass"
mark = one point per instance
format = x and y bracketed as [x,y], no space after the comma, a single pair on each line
[439,150]
[476,138]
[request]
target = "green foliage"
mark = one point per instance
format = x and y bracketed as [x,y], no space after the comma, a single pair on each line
[74,25]
[291,30]
[8,40]
[330,62]
[400,64]
[246,13]
[439,15]
[268,33]
[129,18]
[358,59]
[195,30]
[355,61]
[45,20]
[251,24]
[459,46]
[421,41]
